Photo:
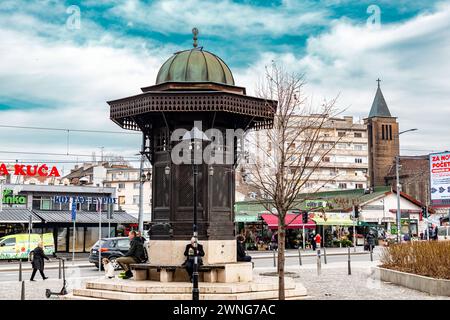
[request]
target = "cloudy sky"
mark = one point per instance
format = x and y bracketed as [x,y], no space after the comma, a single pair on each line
[57,71]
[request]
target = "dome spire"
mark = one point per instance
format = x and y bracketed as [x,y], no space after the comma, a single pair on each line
[195,33]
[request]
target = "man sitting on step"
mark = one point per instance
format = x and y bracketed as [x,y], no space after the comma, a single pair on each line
[134,255]
[193,249]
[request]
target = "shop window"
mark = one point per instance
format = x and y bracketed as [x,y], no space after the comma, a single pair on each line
[79,239]
[61,240]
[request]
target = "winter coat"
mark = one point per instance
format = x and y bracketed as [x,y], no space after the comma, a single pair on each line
[136,250]
[240,250]
[190,254]
[38,259]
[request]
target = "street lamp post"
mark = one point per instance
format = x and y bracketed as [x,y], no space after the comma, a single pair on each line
[195,137]
[397,169]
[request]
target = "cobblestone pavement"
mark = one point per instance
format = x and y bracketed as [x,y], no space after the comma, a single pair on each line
[364,283]
[11,290]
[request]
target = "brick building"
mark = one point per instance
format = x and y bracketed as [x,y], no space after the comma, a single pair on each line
[383,142]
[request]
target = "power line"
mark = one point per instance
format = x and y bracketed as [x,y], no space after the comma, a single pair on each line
[68,130]
[52,154]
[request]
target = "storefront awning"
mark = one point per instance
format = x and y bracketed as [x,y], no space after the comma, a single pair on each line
[84,217]
[292,221]
[17,215]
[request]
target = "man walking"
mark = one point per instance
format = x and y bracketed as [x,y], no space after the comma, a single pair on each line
[134,255]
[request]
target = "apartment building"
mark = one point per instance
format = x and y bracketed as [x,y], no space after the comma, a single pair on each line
[345,166]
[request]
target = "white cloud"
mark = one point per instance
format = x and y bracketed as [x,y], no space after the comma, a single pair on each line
[411,58]
[223,18]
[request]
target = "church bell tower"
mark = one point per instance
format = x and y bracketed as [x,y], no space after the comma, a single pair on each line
[383,139]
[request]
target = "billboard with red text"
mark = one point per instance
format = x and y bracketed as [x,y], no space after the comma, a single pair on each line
[440,179]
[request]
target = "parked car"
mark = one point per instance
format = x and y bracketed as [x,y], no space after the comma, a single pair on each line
[111,248]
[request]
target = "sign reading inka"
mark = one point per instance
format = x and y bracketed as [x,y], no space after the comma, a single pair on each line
[10,198]
[29,170]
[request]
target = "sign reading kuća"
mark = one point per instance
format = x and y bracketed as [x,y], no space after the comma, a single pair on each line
[29,170]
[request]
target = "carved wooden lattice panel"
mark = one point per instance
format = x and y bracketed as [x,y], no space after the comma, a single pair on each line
[161,187]
[185,182]
[220,187]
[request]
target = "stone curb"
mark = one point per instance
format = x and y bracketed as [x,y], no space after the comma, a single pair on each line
[68,266]
[291,255]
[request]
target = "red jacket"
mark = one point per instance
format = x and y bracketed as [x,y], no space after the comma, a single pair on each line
[317,238]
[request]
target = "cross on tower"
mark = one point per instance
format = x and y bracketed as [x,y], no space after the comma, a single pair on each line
[378,80]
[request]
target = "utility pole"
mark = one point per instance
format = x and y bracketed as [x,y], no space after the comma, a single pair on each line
[141,188]
[397,168]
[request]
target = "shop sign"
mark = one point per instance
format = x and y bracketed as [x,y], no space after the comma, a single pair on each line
[314,204]
[10,198]
[83,199]
[30,170]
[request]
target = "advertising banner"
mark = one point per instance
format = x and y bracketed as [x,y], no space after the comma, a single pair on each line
[440,179]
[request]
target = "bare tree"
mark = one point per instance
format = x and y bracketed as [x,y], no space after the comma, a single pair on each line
[287,155]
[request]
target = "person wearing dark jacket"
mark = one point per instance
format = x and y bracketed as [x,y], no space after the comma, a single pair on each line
[38,261]
[134,255]
[190,252]
[140,237]
[241,256]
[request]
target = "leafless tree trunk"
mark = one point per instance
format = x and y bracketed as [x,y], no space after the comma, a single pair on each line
[286,156]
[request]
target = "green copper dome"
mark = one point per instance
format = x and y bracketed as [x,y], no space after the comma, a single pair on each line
[195,65]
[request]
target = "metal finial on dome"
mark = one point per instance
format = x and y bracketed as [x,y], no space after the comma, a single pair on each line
[195,33]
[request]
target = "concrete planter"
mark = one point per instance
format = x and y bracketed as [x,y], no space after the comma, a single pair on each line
[438,287]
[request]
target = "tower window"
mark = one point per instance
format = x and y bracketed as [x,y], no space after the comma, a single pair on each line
[383,137]
[390,132]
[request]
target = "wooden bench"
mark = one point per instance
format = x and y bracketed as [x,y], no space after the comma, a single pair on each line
[167,272]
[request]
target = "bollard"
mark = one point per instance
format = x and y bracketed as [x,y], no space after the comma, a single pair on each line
[371,253]
[20,269]
[59,269]
[22,292]
[349,267]
[274,260]
[299,256]
[324,255]
[63,269]
[319,267]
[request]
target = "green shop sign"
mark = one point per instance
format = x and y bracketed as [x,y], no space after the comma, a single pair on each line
[10,198]
[314,204]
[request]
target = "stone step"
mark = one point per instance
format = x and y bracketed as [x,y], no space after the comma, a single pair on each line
[156,287]
[292,293]
[70,296]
